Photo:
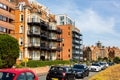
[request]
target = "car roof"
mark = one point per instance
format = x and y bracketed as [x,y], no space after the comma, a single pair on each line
[15,71]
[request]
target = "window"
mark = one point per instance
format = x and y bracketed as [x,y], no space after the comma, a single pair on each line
[21,77]
[62,44]
[21,17]
[20,56]
[21,29]
[62,23]
[33,19]
[61,18]
[21,7]
[69,28]
[68,33]
[0,17]
[2,29]
[30,76]
[68,50]
[21,41]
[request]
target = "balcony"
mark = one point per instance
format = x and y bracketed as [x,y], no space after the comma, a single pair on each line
[9,4]
[59,31]
[53,48]
[50,29]
[6,25]
[52,38]
[44,47]
[34,45]
[44,36]
[33,34]
[35,23]
[59,49]
[44,26]
[59,40]
[7,14]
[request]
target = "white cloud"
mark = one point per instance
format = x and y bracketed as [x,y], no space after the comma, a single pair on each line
[89,20]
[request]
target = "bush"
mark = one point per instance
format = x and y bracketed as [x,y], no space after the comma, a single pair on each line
[9,51]
[116,60]
[36,63]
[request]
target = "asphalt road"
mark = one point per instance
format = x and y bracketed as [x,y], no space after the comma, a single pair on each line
[43,77]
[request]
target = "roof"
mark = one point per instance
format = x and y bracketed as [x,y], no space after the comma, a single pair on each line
[15,71]
[26,2]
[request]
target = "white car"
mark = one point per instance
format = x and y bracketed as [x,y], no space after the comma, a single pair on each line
[95,67]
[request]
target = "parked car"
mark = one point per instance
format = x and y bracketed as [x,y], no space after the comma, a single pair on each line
[110,63]
[81,70]
[103,65]
[60,73]
[95,67]
[17,74]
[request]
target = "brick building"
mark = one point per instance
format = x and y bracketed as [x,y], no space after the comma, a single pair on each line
[7,16]
[92,53]
[72,41]
[36,31]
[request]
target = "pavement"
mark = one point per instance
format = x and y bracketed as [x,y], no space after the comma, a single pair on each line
[40,70]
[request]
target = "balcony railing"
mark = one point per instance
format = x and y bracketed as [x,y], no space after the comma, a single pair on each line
[59,40]
[59,31]
[35,33]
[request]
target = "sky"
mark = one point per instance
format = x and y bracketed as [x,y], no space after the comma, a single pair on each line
[98,20]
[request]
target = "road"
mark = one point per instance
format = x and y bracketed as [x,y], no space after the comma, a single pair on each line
[43,77]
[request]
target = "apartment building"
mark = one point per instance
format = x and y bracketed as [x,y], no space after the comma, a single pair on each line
[77,52]
[7,16]
[36,31]
[72,41]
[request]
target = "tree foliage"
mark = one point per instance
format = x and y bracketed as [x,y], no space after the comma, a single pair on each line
[116,60]
[9,51]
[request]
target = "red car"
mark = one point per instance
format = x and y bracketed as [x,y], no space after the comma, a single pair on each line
[17,74]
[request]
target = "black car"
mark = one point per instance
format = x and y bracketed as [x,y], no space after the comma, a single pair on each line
[81,70]
[60,73]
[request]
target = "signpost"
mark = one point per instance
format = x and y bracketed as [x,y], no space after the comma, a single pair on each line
[25,60]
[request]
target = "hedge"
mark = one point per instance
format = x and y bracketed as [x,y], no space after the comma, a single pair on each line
[37,63]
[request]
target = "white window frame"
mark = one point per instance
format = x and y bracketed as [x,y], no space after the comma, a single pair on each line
[21,29]
[20,41]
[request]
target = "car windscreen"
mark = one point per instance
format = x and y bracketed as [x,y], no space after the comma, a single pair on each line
[57,68]
[6,76]
[78,66]
[95,65]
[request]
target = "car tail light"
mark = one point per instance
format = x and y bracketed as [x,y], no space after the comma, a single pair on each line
[64,73]
[62,78]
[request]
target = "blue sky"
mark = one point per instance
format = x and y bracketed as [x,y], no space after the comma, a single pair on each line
[98,20]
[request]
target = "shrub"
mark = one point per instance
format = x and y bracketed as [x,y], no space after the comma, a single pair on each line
[9,51]
[36,63]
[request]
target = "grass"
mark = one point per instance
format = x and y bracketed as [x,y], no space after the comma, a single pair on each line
[111,73]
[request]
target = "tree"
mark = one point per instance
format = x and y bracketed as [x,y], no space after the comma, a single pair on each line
[9,51]
[116,60]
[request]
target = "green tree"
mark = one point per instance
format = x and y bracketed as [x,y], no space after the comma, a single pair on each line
[116,60]
[9,51]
